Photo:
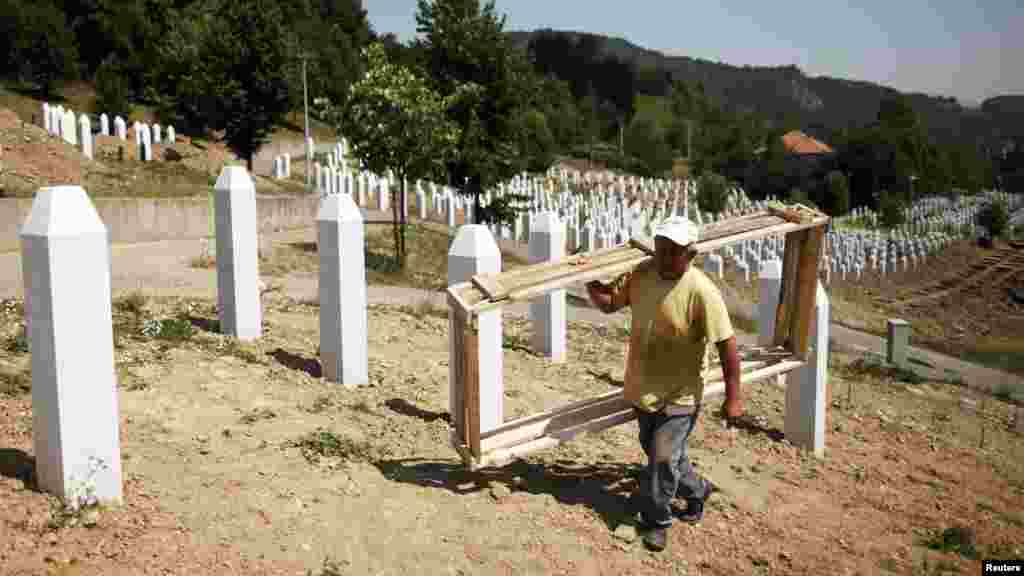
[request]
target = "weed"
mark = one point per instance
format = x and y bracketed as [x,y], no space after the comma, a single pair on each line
[256,415]
[81,505]
[171,329]
[133,303]
[959,539]
[326,444]
[18,343]
[330,568]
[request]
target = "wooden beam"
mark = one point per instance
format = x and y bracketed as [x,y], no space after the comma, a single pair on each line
[807,281]
[471,379]
[458,387]
[788,292]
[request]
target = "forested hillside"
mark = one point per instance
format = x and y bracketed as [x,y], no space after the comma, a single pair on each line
[234,68]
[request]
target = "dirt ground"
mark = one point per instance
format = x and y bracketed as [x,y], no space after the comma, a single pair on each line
[241,459]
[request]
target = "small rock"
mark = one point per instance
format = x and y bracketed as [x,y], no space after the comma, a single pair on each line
[625,533]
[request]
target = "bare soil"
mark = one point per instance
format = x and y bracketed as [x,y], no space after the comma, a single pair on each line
[241,458]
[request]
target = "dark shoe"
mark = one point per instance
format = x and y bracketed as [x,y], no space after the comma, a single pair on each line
[656,538]
[695,506]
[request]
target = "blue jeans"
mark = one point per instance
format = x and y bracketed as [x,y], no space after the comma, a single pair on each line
[663,436]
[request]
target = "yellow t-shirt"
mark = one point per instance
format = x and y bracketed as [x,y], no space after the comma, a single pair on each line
[673,322]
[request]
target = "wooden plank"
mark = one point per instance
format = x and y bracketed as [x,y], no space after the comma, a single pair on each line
[458,329]
[471,398]
[807,282]
[508,446]
[568,417]
[489,285]
[788,293]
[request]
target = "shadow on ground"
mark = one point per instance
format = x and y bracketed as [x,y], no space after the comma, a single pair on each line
[604,488]
[406,408]
[18,465]
[288,359]
[211,325]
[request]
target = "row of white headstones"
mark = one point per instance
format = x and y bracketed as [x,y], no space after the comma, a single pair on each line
[77,131]
[67,287]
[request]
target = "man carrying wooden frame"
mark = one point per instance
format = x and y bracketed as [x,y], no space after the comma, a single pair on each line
[676,312]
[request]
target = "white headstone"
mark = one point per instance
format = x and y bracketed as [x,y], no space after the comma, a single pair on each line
[85,136]
[104,124]
[47,118]
[75,421]
[771,282]
[120,128]
[157,134]
[806,386]
[343,336]
[69,128]
[547,313]
[238,297]
[170,135]
[473,252]
[713,266]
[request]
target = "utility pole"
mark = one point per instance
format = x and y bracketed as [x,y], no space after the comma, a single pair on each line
[305,101]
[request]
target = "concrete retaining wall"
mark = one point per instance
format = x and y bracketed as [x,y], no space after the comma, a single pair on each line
[152,219]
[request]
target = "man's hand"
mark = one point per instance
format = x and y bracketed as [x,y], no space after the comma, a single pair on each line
[600,295]
[732,409]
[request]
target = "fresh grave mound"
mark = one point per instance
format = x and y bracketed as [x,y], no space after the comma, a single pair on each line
[31,158]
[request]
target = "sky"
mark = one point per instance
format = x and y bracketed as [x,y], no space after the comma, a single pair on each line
[943,48]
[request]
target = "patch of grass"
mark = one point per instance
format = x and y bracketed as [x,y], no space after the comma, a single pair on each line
[958,539]
[323,443]
[257,414]
[17,343]
[1009,393]
[168,329]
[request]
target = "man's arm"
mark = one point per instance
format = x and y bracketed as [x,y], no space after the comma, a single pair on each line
[718,329]
[730,359]
[610,298]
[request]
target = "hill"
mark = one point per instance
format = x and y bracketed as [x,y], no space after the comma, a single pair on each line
[820,105]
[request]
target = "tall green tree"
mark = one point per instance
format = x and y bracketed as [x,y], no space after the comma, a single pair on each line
[394,120]
[34,43]
[464,43]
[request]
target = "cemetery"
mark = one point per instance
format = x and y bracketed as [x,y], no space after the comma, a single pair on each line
[290,425]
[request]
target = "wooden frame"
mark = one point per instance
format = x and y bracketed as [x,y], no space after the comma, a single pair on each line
[804,230]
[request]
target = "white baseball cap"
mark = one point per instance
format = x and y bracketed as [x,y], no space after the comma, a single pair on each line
[678,229]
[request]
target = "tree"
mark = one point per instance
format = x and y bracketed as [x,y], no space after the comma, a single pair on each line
[646,141]
[837,193]
[246,63]
[393,120]
[712,192]
[111,90]
[36,43]
[890,209]
[462,44]
[994,217]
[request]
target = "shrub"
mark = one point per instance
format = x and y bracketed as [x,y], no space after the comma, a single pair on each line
[890,210]
[837,190]
[712,191]
[994,218]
